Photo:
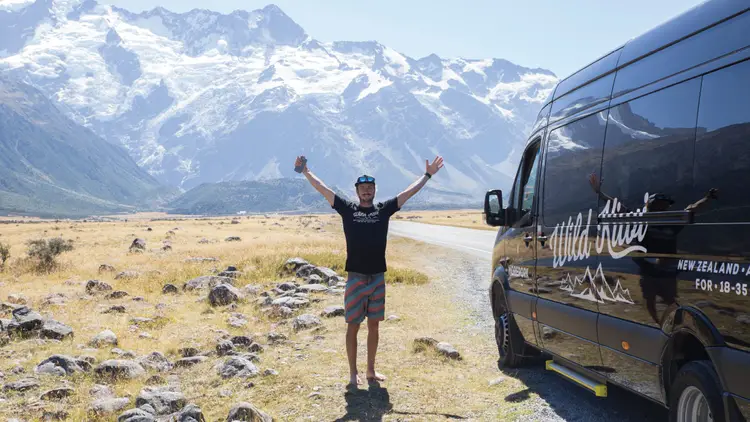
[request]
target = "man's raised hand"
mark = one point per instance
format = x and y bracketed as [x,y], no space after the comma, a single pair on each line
[300,164]
[436,165]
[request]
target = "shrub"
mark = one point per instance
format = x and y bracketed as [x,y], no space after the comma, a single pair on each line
[44,252]
[4,254]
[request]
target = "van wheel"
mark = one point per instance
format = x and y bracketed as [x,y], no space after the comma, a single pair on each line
[695,395]
[510,343]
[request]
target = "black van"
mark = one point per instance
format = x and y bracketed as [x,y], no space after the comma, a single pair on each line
[624,249]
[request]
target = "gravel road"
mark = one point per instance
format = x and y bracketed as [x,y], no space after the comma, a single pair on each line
[463,270]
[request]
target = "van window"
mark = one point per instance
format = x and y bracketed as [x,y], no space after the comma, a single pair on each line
[524,187]
[649,148]
[582,98]
[722,147]
[574,152]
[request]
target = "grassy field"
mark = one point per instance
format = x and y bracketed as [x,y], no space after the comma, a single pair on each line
[312,368]
[471,219]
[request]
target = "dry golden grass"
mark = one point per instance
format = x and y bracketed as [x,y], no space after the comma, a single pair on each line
[421,386]
[471,219]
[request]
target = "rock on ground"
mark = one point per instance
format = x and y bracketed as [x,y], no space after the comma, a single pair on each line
[170,289]
[333,311]
[138,245]
[25,320]
[106,337]
[118,294]
[24,384]
[247,412]
[237,320]
[120,368]
[164,400]
[106,268]
[136,415]
[156,361]
[127,275]
[448,351]
[206,282]
[57,393]
[224,294]
[95,286]
[55,330]
[306,321]
[187,362]
[237,367]
[275,338]
[61,365]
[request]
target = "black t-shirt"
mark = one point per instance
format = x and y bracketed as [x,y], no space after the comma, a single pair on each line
[366,231]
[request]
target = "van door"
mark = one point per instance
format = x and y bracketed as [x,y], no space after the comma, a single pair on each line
[567,306]
[648,171]
[519,242]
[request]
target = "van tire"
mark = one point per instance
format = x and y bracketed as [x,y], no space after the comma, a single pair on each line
[700,375]
[510,342]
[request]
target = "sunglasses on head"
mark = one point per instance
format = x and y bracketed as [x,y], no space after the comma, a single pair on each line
[366,179]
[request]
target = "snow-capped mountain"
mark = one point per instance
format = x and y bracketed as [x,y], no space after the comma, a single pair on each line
[207,97]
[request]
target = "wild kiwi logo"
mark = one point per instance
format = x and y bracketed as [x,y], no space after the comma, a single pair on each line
[570,240]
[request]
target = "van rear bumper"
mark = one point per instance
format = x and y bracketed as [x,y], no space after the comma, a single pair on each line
[733,368]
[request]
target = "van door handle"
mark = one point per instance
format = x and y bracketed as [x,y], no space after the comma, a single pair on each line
[527,238]
[541,239]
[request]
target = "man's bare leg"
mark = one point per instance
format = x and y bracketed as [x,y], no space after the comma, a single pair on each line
[351,352]
[373,335]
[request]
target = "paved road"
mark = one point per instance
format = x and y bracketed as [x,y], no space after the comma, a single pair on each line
[474,242]
[559,399]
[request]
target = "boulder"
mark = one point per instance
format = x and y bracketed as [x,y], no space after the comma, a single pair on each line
[61,365]
[119,368]
[305,322]
[55,330]
[127,275]
[25,320]
[188,362]
[136,415]
[117,294]
[95,286]
[237,367]
[57,393]
[293,264]
[106,268]
[107,405]
[170,289]
[313,288]
[206,282]
[246,412]
[164,400]
[24,384]
[448,351]
[333,311]
[224,294]
[106,337]
[156,361]
[291,302]
[138,245]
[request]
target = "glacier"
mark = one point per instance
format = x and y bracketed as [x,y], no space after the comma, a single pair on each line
[201,97]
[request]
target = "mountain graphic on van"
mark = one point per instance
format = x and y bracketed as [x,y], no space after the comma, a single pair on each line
[595,288]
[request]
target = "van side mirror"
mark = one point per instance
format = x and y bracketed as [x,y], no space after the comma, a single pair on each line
[494,214]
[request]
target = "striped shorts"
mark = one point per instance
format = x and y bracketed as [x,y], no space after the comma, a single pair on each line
[365,296]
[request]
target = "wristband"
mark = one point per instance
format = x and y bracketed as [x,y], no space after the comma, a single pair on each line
[429,176]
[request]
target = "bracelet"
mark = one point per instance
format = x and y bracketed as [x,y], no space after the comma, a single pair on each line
[429,176]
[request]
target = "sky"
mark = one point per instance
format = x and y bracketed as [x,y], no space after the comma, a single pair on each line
[558,35]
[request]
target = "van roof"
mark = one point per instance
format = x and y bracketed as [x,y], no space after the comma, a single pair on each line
[696,19]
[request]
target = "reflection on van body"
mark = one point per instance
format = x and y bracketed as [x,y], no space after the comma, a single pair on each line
[633,240]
